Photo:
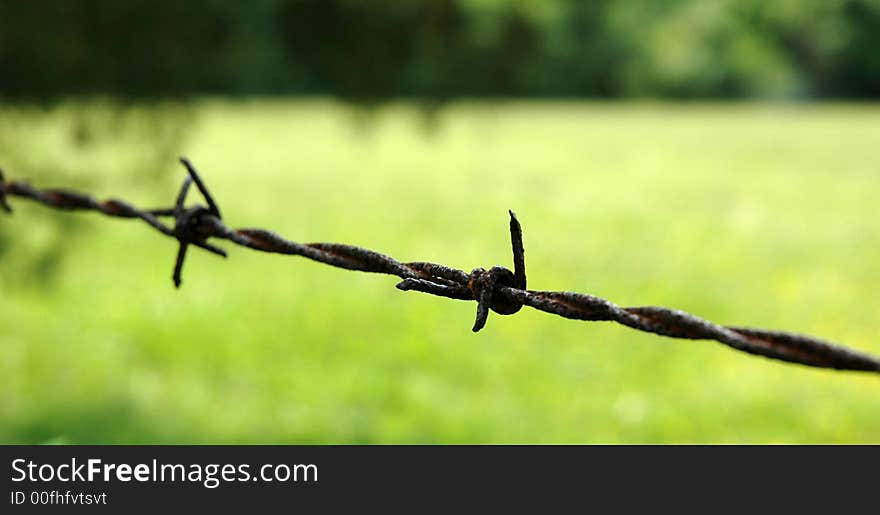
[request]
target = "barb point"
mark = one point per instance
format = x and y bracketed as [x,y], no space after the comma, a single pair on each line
[6,207]
[201,186]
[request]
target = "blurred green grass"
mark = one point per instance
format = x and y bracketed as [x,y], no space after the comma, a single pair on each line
[746,214]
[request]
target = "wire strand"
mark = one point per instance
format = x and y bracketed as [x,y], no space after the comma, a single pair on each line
[497,289]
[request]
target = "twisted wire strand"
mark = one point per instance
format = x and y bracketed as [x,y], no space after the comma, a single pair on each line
[72,201]
[497,289]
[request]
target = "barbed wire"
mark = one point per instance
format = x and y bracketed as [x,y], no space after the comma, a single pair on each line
[497,289]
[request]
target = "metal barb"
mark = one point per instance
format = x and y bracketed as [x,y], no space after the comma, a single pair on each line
[497,289]
[519,252]
[189,225]
[484,283]
[3,203]
[202,188]
[181,197]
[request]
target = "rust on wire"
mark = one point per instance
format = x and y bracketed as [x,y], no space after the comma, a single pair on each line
[497,289]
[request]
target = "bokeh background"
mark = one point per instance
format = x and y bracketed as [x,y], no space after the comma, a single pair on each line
[715,156]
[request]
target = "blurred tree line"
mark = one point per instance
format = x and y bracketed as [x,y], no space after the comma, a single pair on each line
[375,49]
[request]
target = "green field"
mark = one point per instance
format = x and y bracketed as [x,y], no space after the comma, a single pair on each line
[745,214]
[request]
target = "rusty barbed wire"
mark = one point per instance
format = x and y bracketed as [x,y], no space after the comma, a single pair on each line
[497,289]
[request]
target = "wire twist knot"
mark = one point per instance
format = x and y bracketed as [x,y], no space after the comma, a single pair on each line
[484,285]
